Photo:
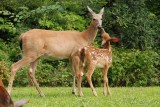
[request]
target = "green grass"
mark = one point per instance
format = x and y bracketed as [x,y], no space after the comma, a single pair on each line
[62,97]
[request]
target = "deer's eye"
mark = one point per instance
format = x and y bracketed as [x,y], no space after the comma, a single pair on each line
[94,19]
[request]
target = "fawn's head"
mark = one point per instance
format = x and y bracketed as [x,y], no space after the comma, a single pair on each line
[96,18]
[106,38]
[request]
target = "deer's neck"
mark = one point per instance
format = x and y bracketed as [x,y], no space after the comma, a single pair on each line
[90,33]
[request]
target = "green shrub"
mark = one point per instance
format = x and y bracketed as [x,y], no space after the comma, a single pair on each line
[4,62]
[134,68]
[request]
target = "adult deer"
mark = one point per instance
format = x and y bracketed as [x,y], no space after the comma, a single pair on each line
[97,57]
[5,99]
[59,44]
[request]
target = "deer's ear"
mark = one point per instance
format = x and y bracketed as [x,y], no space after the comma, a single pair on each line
[115,39]
[101,11]
[90,10]
[5,98]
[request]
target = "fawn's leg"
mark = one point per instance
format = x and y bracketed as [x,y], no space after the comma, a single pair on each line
[31,73]
[15,67]
[89,75]
[105,77]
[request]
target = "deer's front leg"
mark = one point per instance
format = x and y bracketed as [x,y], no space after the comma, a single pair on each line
[74,83]
[74,76]
[75,64]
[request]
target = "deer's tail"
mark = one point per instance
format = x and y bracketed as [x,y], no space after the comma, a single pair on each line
[20,43]
[20,40]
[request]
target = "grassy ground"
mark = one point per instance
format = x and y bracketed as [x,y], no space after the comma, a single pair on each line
[62,97]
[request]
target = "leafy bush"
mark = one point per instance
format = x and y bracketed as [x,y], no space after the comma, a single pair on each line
[133,23]
[134,68]
[69,19]
[4,61]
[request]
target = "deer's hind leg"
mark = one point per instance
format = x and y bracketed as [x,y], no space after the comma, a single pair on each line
[31,73]
[89,76]
[15,67]
[105,77]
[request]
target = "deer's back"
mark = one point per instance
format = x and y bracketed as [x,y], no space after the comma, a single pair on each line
[99,57]
[55,43]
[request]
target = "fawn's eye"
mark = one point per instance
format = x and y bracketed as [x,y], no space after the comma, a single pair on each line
[94,19]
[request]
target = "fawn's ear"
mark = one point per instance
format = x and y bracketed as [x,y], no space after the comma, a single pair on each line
[20,103]
[5,98]
[115,39]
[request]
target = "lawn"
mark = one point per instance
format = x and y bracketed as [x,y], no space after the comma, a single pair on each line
[62,97]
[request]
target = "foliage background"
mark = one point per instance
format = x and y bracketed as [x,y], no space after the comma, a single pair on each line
[136,59]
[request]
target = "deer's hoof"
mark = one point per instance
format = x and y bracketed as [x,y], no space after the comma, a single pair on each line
[108,93]
[95,94]
[42,95]
[81,94]
[74,93]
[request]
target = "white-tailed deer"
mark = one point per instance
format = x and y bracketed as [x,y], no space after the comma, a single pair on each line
[5,99]
[59,44]
[97,57]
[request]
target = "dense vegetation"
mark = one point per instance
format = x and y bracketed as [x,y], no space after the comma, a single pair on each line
[136,60]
